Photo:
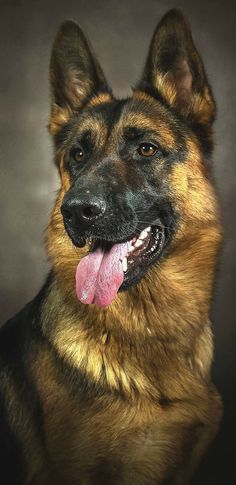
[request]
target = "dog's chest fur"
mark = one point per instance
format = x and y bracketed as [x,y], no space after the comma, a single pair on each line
[111,415]
[103,438]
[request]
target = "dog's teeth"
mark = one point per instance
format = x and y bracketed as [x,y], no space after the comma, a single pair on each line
[124,264]
[143,234]
[138,243]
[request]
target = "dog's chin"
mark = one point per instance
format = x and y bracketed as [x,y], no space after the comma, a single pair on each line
[145,250]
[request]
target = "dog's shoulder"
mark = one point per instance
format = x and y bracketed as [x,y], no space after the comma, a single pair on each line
[11,359]
[20,408]
[24,326]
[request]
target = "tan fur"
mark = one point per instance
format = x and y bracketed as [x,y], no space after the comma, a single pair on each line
[101,98]
[156,119]
[59,117]
[201,104]
[117,425]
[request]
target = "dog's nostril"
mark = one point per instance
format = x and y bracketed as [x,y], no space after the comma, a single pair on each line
[67,214]
[89,212]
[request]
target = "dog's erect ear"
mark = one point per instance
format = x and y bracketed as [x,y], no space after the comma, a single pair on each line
[75,74]
[175,69]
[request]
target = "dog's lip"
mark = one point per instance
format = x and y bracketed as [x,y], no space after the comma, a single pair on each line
[94,241]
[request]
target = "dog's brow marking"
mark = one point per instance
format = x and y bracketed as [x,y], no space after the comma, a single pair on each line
[142,96]
[97,127]
[142,122]
[91,123]
[101,98]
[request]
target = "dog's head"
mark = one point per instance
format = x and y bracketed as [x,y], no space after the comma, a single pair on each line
[134,171]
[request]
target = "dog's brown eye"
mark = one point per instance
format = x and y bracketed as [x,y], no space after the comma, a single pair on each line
[147,150]
[78,154]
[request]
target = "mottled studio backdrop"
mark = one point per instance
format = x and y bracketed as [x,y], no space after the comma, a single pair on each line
[120,32]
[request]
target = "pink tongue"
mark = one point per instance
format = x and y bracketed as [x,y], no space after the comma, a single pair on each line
[99,275]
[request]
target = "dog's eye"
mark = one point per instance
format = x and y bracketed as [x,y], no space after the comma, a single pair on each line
[77,154]
[147,150]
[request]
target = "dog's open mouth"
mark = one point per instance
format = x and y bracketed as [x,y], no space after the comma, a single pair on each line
[144,249]
[112,267]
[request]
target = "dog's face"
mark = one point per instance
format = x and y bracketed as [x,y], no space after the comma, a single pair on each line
[118,162]
[126,165]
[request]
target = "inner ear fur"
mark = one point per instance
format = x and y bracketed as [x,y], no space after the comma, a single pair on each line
[175,69]
[75,74]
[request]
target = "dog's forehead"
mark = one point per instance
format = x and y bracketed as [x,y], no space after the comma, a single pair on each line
[138,115]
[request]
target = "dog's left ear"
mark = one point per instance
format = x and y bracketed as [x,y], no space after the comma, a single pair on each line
[175,69]
[75,74]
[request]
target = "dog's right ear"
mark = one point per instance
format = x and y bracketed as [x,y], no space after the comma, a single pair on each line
[75,74]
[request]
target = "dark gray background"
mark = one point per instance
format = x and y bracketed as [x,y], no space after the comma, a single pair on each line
[120,32]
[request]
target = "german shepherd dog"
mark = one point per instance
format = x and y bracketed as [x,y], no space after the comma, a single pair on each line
[106,374]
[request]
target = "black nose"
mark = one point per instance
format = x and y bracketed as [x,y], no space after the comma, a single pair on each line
[83,209]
